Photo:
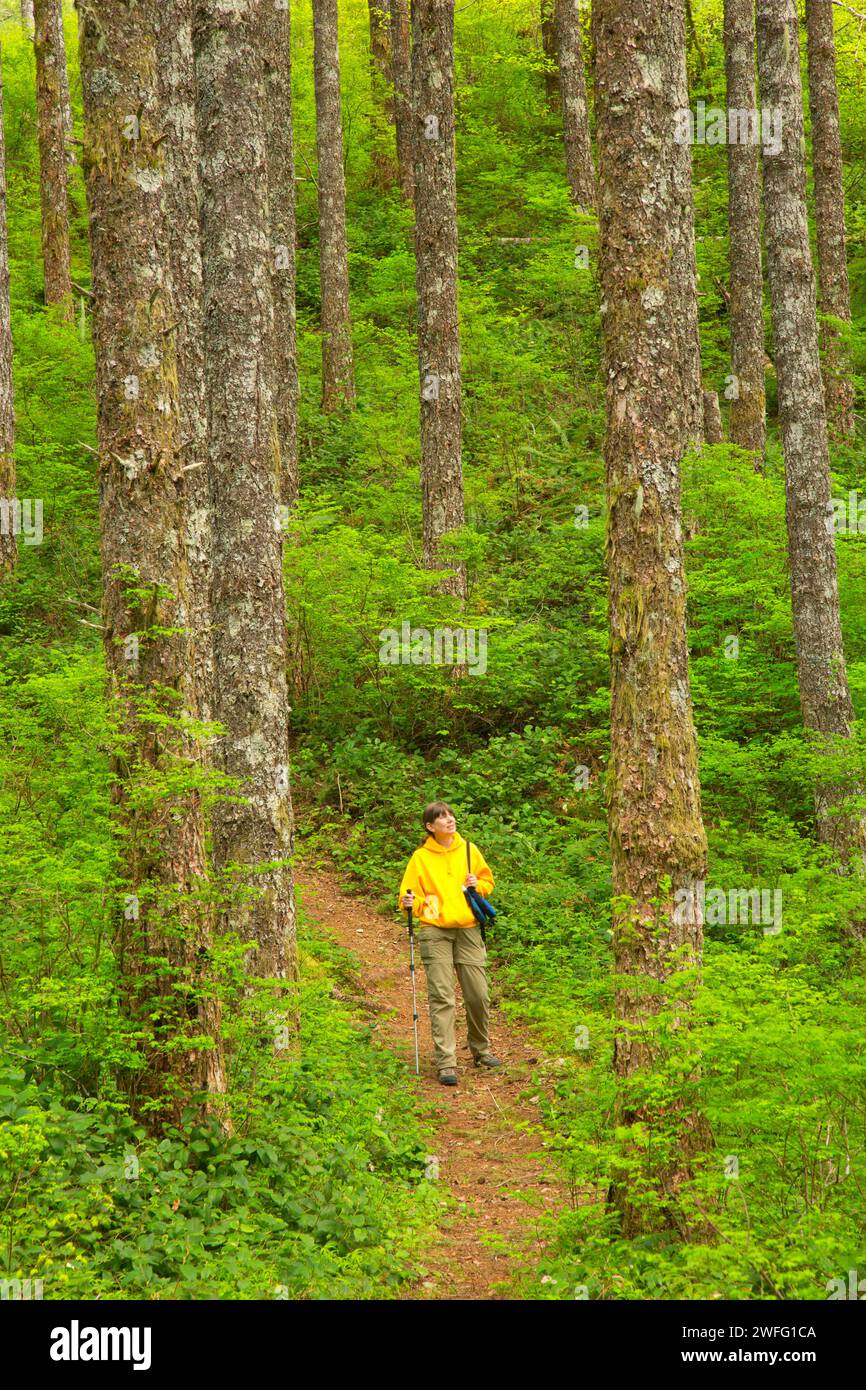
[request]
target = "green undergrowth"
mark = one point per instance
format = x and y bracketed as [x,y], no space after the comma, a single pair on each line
[319,1192]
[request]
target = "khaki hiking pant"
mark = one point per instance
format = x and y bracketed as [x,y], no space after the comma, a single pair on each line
[444,950]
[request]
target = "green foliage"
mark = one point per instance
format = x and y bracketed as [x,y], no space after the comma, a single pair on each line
[319,1191]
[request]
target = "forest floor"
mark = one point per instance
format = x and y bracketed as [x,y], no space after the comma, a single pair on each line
[488,1136]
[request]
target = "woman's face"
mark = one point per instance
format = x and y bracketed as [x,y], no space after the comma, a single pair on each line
[444,824]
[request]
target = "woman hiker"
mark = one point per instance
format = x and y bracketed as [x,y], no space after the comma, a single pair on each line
[449,937]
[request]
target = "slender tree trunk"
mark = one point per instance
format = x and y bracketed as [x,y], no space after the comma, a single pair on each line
[247,598]
[50,68]
[656,827]
[712,418]
[824,696]
[380,43]
[835,298]
[8,550]
[692,36]
[548,46]
[748,427]
[338,376]
[277,52]
[436,279]
[401,58]
[177,98]
[27,17]
[63,75]
[165,933]
[684,273]
[575,108]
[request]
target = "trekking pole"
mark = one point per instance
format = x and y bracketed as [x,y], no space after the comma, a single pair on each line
[414,1000]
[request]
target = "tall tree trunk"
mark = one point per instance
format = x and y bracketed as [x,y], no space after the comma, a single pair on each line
[436,279]
[656,827]
[8,550]
[575,109]
[338,376]
[177,98]
[712,418]
[748,427]
[63,75]
[380,43]
[401,58]
[277,53]
[50,67]
[824,695]
[684,272]
[692,37]
[28,20]
[247,598]
[835,298]
[548,47]
[145,599]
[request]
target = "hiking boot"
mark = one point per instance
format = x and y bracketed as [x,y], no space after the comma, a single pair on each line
[448,1078]
[488,1060]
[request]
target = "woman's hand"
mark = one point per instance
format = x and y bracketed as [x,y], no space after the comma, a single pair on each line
[408,900]
[470,881]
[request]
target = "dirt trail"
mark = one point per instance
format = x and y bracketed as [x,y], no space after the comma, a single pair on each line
[483,1159]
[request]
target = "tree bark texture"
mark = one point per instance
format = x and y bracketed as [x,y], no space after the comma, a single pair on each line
[684,273]
[145,600]
[436,279]
[834,297]
[277,53]
[655,821]
[338,376]
[380,47]
[748,410]
[824,695]
[575,107]
[712,418]
[401,59]
[178,100]
[247,598]
[51,131]
[548,47]
[65,98]
[8,548]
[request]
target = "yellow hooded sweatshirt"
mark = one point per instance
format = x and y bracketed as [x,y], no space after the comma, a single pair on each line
[435,875]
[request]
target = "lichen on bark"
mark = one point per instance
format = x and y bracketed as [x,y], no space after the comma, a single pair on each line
[657,839]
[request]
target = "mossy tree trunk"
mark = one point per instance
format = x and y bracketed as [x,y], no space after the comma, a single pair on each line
[65,98]
[164,935]
[684,272]
[277,52]
[53,166]
[338,375]
[380,50]
[8,549]
[834,297]
[658,844]
[436,279]
[177,98]
[27,16]
[575,107]
[712,418]
[247,597]
[401,72]
[748,411]
[548,48]
[825,699]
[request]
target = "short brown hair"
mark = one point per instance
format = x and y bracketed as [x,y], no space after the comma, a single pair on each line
[434,810]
